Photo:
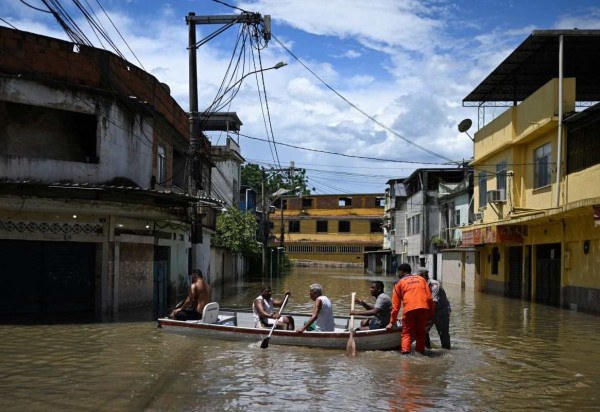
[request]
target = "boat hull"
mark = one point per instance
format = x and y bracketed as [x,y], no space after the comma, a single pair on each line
[379,339]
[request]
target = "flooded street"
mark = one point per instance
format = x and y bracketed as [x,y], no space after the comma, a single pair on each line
[506,355]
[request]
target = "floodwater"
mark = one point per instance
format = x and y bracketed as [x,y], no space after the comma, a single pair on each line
[506,355]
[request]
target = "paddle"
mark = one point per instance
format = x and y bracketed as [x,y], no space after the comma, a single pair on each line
[265,342]
[351,346]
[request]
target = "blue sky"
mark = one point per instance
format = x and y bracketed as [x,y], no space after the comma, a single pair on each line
[405,63]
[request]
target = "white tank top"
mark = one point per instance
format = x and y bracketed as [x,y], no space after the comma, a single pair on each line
[325,320]
[268,304]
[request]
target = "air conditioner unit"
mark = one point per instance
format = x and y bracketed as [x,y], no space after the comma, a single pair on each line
[495,196]
[478,216]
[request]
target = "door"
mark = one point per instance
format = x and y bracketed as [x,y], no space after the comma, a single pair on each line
[46,277]
[548,263]
[161,276]
[515,268]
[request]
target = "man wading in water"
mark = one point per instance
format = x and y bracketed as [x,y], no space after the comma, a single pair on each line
[198,297]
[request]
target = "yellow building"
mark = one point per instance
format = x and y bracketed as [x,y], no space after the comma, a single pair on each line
[537,174]
[335,228]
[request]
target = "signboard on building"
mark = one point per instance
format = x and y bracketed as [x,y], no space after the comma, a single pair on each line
[494,234]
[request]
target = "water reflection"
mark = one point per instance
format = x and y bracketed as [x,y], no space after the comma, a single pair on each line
[503,358]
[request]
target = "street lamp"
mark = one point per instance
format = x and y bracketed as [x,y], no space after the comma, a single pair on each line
[241,79]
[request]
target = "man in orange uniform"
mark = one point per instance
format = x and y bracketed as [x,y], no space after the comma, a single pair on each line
[413,294]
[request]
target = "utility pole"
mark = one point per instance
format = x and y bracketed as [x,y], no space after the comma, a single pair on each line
[264,224]
[195,150]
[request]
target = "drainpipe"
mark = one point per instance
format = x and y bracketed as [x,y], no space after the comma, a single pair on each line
[560,119]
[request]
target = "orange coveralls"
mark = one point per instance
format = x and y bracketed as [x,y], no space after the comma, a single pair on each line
[412,292]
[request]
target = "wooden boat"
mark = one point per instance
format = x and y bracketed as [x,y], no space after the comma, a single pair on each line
[231,324]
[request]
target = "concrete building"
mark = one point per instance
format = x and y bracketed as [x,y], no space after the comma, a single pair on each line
[329,228]
[418,244]
[456,211]
[537,168]
[394,224]
[96,210]
[227,267]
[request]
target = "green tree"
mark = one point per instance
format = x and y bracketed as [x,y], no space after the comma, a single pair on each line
[236,231]
[252,175]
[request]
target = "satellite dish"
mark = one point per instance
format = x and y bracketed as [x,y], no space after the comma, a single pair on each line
[464,125]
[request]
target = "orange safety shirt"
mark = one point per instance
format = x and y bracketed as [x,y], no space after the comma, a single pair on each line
[412,292]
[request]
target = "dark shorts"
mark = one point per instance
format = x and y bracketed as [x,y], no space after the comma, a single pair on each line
[188,314]
[375,324]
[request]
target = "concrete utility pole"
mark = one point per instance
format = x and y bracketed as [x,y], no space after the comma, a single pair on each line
[192,20]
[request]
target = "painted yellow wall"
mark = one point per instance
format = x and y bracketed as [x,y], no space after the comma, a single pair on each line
[514,136]
[582,269]
[494,136]
[538,110]
[583,185]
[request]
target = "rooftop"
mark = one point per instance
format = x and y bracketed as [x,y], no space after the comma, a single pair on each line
[535,62]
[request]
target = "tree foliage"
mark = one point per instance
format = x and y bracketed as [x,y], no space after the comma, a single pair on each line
[236,231]
[252,175]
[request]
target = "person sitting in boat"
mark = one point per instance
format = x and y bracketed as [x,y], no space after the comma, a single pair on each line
[264,316]
[380,311]
[198,297]
[321,319]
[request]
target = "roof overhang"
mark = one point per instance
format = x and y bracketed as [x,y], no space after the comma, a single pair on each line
[536,61]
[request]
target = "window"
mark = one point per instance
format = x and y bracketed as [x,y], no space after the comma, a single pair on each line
[376,226]
[482,188]
[294,226]
[161,164]
[379,201]
[583,147]
[344,226]
[501,178]
[457,218]
[542,166]
[321,226]
[413,225]
[344,201]
[48,133]
[306,202]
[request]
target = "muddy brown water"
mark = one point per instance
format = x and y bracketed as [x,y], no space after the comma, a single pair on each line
[507,355]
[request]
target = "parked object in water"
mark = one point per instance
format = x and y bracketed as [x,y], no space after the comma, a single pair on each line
[231,324]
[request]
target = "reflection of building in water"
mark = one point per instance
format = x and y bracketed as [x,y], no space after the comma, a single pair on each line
[337,228]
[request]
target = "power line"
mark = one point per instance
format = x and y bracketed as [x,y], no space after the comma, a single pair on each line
[341,154]
[358,108]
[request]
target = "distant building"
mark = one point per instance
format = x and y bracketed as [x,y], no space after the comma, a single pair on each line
[456,212]
[417,240]
[335,228]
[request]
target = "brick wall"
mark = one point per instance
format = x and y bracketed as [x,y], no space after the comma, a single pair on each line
[51,60]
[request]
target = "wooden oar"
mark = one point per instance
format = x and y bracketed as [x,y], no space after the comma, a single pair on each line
[265,342]
[351,346]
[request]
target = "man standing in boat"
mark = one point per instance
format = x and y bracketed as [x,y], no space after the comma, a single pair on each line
[413,294]
[380,311]
[263,311]
[199,295]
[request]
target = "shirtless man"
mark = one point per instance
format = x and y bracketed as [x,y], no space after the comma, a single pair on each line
[193,305]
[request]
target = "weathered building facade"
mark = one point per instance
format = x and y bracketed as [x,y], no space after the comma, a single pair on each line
[95,209]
